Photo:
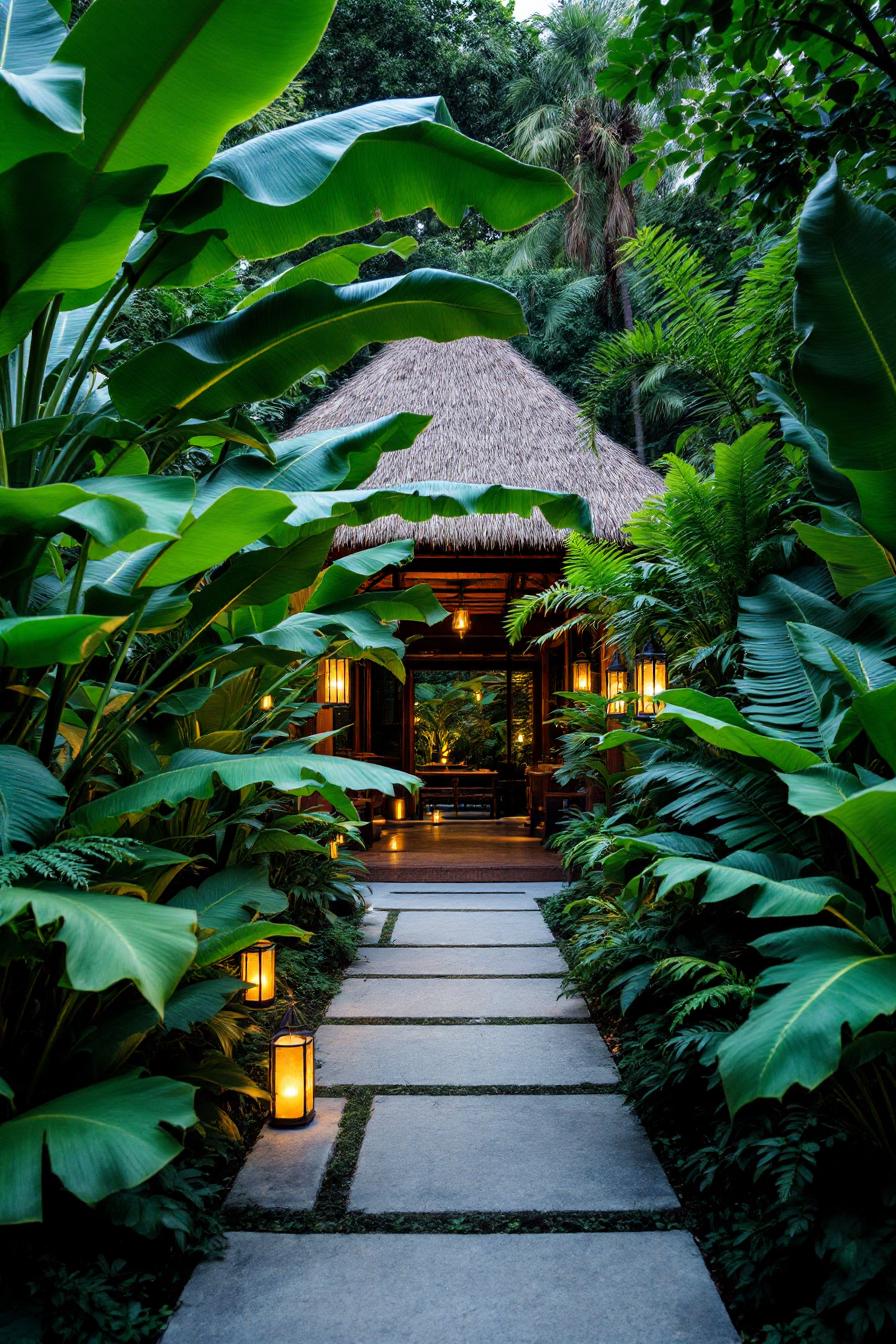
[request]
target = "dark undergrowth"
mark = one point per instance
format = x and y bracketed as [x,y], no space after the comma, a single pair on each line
[114,1274]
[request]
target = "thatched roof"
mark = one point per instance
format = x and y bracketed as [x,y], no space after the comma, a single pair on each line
[496,419]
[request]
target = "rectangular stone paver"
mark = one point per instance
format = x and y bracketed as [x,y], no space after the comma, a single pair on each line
[463,1056]
[419,1288]
[448,961]
[285,1168]
[393,898]
[425,928]
[507,1154]
[455,998]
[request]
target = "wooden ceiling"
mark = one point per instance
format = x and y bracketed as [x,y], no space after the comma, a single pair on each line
[488,583]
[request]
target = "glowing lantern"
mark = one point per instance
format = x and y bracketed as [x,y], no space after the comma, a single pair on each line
[520,737]
[266,703]
[436,816]
[257,967]
[617,684]
[460,620]
[581,672]
[292,1073]
[650,677]
[335,845]
[477,696]
[337,682]
[398,809]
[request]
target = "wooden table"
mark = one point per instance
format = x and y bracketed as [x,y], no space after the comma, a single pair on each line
[451,782]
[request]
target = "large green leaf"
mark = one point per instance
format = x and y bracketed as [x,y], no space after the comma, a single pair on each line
[236,519]
[775,878]
[854,557]
[98,1140]
[112,938]
[41,641]
[877,714]
[845,368]
[227,899]
[232,940]
[864,666]
[32,800]
[344,576]
[206,369]
[40,102]
[832,978]
[165,81]
[337,266]
[318,461]
[108,508]
[196,773]
[718,722]
[75,248]
[276,193]
[867,817]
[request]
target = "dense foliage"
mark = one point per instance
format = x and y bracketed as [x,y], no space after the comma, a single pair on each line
[757,97]
[736,898]
[166,596]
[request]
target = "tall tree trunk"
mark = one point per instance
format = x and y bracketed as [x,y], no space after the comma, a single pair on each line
[625,300]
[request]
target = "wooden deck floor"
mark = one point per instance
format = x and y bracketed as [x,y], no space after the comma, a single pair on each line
[461,851]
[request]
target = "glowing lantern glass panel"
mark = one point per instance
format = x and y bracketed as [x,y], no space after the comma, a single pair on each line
[650,677]
[460,621]
[617,684]
[266,702]
[398,809]
[292,1074]
[257,967]
[581,673]
[337,681]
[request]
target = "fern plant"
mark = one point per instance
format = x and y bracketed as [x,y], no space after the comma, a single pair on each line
[695,355]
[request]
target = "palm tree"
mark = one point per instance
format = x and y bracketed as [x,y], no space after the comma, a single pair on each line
[562,122]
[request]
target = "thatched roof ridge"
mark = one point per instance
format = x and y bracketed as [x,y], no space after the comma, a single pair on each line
[496,418]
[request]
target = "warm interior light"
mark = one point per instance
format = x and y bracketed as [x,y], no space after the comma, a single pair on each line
[581,673]
[333,849]
[436,816]
[477,696]
[460,621]
[617,684]
[520,738]
[257,965]
[650,677]
[266,702]
[398,809]
[393,844]
[292,1073]
[337,681]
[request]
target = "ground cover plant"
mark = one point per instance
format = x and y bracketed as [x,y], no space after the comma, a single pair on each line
[166,596]
[734,902]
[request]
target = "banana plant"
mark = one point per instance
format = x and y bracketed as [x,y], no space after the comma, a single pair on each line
[141,595]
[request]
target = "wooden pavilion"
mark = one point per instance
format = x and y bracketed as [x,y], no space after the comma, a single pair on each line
[495,417]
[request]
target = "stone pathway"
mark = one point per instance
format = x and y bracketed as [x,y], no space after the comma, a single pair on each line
[463,1099]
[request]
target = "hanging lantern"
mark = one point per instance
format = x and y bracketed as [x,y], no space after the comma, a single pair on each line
[460,620]
[257,967]
[617,684]
[266,703]
[292,1073]
[650,677]
[337,682]
[581,672]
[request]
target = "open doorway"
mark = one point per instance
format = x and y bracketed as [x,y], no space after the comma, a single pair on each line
[473,737]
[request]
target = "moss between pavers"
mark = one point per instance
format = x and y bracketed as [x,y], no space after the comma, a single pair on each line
[387,929]
[290,1220]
